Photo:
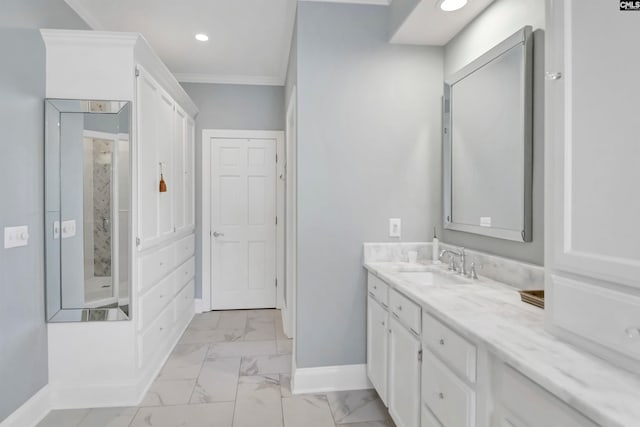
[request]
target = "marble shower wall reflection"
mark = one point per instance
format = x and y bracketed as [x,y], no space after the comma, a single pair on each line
[102,194]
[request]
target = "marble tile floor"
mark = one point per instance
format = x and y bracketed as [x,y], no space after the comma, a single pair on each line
[232,369]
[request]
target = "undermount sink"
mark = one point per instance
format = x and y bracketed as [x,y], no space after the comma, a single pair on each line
[434,278]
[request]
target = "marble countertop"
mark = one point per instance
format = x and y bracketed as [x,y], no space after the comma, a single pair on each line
[491,314]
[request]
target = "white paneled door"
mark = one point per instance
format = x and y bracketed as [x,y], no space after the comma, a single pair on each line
[243,223]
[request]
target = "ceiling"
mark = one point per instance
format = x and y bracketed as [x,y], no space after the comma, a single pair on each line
[429,25]
[249,40]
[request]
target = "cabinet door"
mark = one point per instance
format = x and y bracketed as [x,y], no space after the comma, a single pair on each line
[179,142]
[404,376]
[377,346]
[189,177]
[592,146]
[165,138]
[148,94]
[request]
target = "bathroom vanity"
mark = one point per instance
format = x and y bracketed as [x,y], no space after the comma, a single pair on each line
[445,350]
[120,222]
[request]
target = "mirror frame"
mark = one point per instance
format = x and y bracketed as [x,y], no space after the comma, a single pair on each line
[524,38]
[58,106]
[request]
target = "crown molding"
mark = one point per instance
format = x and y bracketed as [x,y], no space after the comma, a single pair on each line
[84,13]
[362,2]
[89,37]
[229,79]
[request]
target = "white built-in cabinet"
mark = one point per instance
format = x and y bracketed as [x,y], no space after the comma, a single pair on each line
[166,146]
[101,364]
[592,243]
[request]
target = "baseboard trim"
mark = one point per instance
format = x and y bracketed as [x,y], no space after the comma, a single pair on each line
[199,306]
[32,411]
[330,378]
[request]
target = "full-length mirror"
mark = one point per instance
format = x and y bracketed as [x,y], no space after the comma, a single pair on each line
[488,142]
[87,201]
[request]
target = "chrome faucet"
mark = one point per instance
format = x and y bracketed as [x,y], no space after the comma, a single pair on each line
[452,256]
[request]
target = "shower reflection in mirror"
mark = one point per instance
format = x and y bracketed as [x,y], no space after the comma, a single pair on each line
[87,164]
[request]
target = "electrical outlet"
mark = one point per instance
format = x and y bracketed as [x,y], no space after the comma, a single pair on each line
[395,227]
[68,228]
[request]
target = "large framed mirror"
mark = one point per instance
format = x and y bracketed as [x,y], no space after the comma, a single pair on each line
[487,142]
[87,204]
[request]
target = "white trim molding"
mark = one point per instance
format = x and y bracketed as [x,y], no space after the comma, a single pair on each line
[330,378]
[199,306]
[230,79]
[369,2]
[84,14]
[32,411]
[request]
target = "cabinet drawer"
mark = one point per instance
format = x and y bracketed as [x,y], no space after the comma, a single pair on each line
[184,299]
[405,310]
[448,397]
[378,289]
[457,352]
[158,334]
[152,303]
[183,274]
[533,405]
[428,420]
[185,248]
[155,266]
[576,305]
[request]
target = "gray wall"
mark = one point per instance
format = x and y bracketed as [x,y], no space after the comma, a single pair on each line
[242,107]
[23,341]
[497,22]
[368,150]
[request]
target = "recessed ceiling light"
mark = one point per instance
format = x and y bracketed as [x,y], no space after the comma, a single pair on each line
[451,5]
[202,37]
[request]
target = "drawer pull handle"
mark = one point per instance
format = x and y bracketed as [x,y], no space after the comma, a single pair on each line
[384,305]
[632,332]
[441,341]
[441,396]
[395,315]
[414,332]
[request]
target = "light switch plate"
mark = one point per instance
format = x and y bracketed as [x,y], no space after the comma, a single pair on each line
[16,236]
[68,228]
[395,227]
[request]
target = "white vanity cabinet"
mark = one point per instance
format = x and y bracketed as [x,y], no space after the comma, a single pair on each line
[592,242]
[448,377]
[377,346]
[405,356]
[521,403]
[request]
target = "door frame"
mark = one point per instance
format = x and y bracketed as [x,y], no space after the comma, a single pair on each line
[291,215]
[205,197]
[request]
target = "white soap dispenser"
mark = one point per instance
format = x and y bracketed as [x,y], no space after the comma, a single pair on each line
[435,248]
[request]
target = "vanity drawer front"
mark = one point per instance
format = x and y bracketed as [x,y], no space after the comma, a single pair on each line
[152,303]
[457,352]
[534,406]
[158,334]
[155,266]
[185,248]
[183,274]
[575,302]
[185,298]
[405,310]
[428,420]
[378,289]
[448,397]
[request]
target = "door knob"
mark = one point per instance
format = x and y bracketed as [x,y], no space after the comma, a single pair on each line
[216,234]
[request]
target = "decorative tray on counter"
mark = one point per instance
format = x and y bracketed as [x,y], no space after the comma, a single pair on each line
[533,297]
